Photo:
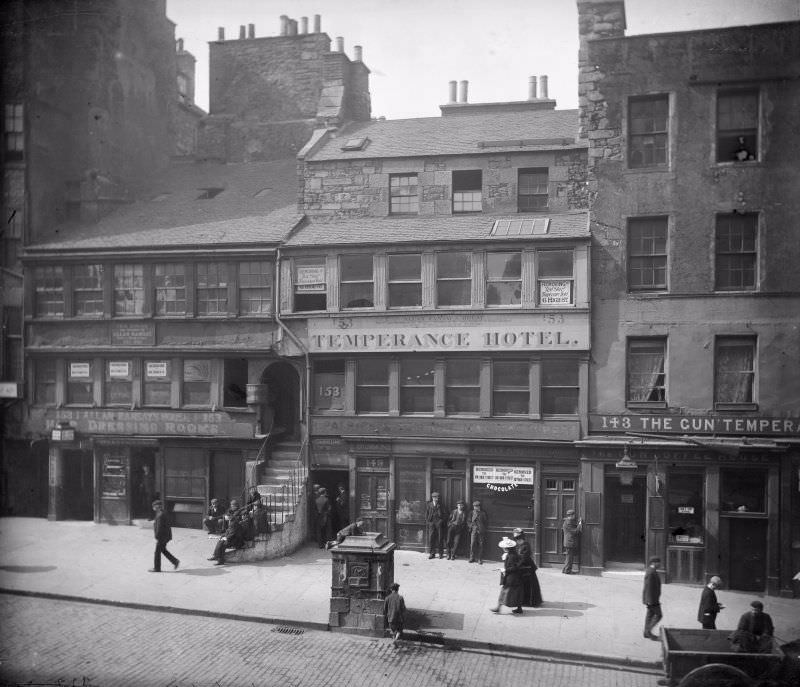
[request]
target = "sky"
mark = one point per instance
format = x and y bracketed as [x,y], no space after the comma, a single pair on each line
[414,48]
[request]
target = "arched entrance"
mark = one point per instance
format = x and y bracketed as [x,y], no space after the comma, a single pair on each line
[282,413]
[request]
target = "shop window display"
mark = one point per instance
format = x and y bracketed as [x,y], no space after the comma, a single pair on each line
[743,491]
[686,509]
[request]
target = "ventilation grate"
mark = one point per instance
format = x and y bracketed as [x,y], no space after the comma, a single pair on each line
[288,630]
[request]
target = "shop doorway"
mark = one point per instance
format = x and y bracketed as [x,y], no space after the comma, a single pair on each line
[747,554]
[625,525]
[227,477]
[143,481]
[559,494]
[373,501]
[340,504]
[78,485]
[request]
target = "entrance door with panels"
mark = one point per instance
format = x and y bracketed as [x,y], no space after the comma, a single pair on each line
[373,501]
[559,494]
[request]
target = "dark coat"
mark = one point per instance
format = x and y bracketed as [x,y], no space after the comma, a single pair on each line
[234,535]
[709,606]
[434,514]
[512,593]
[571,530]
[651,592]
[478,521]
[394,607]
[756,623]
[161,528]
[458,518]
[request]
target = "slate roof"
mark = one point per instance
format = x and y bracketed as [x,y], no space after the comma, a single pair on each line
[433,229]
[456,135]
[168,214]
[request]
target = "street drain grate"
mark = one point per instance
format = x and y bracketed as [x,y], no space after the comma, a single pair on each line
[288,630]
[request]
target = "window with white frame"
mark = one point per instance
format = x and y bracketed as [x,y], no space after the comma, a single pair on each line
[157,392]
[356,281]
[560,386]
[510,388]
[555,280]
[467,190]
[453,279]
[372,385]
[532,189]
[80,383]
[118,389]
[170,288]
[310,284]
[87,290]
[647,253]
[417,385]
[403,194]
[405,280]
[504,278]
[462,386]
[255,287]
[196,383]
[128,289]
[648,136]
[646,371]
[49,291]
[212,288]
[736,252]
[734,371]
[737,125]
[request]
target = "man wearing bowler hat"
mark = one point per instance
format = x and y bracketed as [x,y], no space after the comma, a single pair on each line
[434,516]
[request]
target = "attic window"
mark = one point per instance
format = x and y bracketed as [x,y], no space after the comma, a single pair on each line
[263,192]
[355,143]
[207,193]
[520,227]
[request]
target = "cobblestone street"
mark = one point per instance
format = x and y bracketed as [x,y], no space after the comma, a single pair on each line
[67,643]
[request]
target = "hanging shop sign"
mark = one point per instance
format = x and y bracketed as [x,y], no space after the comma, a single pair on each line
[686,424]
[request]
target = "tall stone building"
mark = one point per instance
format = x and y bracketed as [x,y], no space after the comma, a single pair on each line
[693,451]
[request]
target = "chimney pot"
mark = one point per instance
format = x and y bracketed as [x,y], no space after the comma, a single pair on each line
[464,89]
[284,25]
[180,45]
[221,33]
[242,32]
[339,44]
[357,53]
[317,23]
[304,25]
[532,88]
[543,86]
[453,91]
[251,30]
[293,27]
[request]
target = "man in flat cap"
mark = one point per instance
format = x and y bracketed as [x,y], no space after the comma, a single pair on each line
[754,632]
[709,606]
[651,597]
[434,517]
[456,526]
[571,527]
[478,524]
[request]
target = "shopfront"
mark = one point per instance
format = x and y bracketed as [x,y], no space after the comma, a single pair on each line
[721,508]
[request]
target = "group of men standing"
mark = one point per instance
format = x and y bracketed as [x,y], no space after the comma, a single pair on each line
[445,530]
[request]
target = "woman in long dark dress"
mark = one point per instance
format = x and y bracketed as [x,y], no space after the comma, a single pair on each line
[532,592]
[511,593]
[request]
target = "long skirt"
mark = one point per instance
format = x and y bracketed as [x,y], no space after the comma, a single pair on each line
[511,596]
[532,592]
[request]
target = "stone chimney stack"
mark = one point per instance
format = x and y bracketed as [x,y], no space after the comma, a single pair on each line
[317,23]
[462,97]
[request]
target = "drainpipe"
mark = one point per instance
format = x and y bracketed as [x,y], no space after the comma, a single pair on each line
[294,338]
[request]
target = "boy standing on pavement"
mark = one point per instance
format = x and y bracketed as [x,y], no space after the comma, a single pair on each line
[394,607]
[651,597]
[709,606]
[163,535]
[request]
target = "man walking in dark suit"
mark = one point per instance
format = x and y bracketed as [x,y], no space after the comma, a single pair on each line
[709,606]
[163,534]
[434,517]
[651,597]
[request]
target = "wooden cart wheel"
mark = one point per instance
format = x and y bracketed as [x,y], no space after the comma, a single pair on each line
[716,675]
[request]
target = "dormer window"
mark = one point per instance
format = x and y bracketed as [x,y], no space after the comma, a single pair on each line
[467,191]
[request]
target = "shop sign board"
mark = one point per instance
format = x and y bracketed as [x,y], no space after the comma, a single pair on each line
[502,474]
[689,424]
[10,390]
[309,278]
[555,292]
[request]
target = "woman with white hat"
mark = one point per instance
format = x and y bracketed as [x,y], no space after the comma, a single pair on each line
[511,593]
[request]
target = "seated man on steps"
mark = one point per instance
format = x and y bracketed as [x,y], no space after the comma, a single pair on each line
[233,538]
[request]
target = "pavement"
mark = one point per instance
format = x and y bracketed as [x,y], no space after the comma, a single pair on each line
[583,618]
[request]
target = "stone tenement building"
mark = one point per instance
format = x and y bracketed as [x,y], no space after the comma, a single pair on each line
[693,451]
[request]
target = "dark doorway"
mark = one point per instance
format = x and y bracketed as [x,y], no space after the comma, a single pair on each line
[747,554]
[341,513]
[625,517]
[143,481]
[281,416]
[227,477]
[78,485]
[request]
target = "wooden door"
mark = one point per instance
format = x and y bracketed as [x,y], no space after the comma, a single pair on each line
[227,477]
[451,488]
[747,554]
[625,521]
[559,494]
[373,501]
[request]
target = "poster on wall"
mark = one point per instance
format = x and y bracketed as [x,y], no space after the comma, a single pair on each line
[502,474]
